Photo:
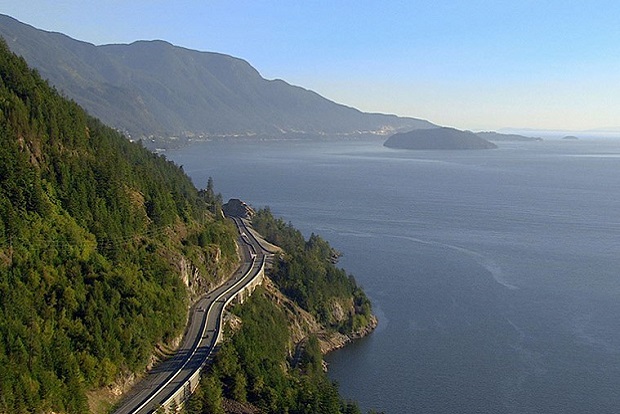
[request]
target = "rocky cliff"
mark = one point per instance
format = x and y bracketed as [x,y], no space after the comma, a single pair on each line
[237,208]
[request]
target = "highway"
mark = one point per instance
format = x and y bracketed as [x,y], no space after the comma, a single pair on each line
[201,335]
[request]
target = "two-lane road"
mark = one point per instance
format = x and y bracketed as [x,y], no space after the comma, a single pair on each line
[201,335]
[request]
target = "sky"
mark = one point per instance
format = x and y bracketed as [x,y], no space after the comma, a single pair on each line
[470,64]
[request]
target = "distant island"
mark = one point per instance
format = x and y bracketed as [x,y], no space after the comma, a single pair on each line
[570,138]
[438,139]
[496,136]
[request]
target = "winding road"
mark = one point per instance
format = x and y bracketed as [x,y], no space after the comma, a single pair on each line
[203,331]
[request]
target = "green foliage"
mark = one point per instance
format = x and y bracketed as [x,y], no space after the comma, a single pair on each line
[307,274]
[311,360]
[209,195]
[253,367]
[207,398]
[90,225]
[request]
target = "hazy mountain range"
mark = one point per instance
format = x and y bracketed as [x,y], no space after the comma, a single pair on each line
[154,88]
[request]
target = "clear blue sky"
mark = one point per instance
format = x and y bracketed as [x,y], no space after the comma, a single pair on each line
[470,64]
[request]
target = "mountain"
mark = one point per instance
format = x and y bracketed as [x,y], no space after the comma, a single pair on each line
[495,136]
[103,244]
[438,139]
[103,247]
[154,88]
[273,361]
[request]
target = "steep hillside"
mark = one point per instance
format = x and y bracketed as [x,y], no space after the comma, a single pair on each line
[103,245]
[155,88]
[273,362]
[95,236]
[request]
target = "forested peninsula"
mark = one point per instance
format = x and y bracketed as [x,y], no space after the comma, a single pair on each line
[273,361]
[103,248]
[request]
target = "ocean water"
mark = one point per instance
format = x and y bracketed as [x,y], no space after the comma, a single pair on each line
[495,274]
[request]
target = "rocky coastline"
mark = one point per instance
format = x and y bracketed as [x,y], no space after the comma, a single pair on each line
[331,341]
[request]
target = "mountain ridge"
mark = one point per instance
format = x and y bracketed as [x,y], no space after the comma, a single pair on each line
[103,247]
[155,88]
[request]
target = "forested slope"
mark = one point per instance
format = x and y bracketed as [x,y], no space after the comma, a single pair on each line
[307,274]
[261,365]
[94,232]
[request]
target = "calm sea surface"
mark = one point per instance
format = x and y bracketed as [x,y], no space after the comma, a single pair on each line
[495,274]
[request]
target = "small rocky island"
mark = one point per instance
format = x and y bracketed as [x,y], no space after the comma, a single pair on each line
[438,139]
[570,138]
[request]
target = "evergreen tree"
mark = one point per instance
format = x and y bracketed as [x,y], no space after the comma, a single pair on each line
[91,230]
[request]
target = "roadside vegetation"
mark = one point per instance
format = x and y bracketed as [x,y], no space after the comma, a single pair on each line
[307,274]
[92,230]
[252,367]
[94,234]
[256,365]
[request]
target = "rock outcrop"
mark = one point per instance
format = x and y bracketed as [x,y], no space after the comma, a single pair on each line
[237,208]
[303,324]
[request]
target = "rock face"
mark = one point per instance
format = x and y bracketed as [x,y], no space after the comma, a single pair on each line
[237,208]
[331,341]
[303,324]
[438,139]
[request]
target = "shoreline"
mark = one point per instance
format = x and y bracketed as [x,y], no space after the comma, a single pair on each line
[330,342]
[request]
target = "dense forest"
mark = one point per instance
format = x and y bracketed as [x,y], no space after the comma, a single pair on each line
[307,274]
[252,367]
[92,230]
[255,365]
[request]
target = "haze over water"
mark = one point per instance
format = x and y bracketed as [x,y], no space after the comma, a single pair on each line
[494,273]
